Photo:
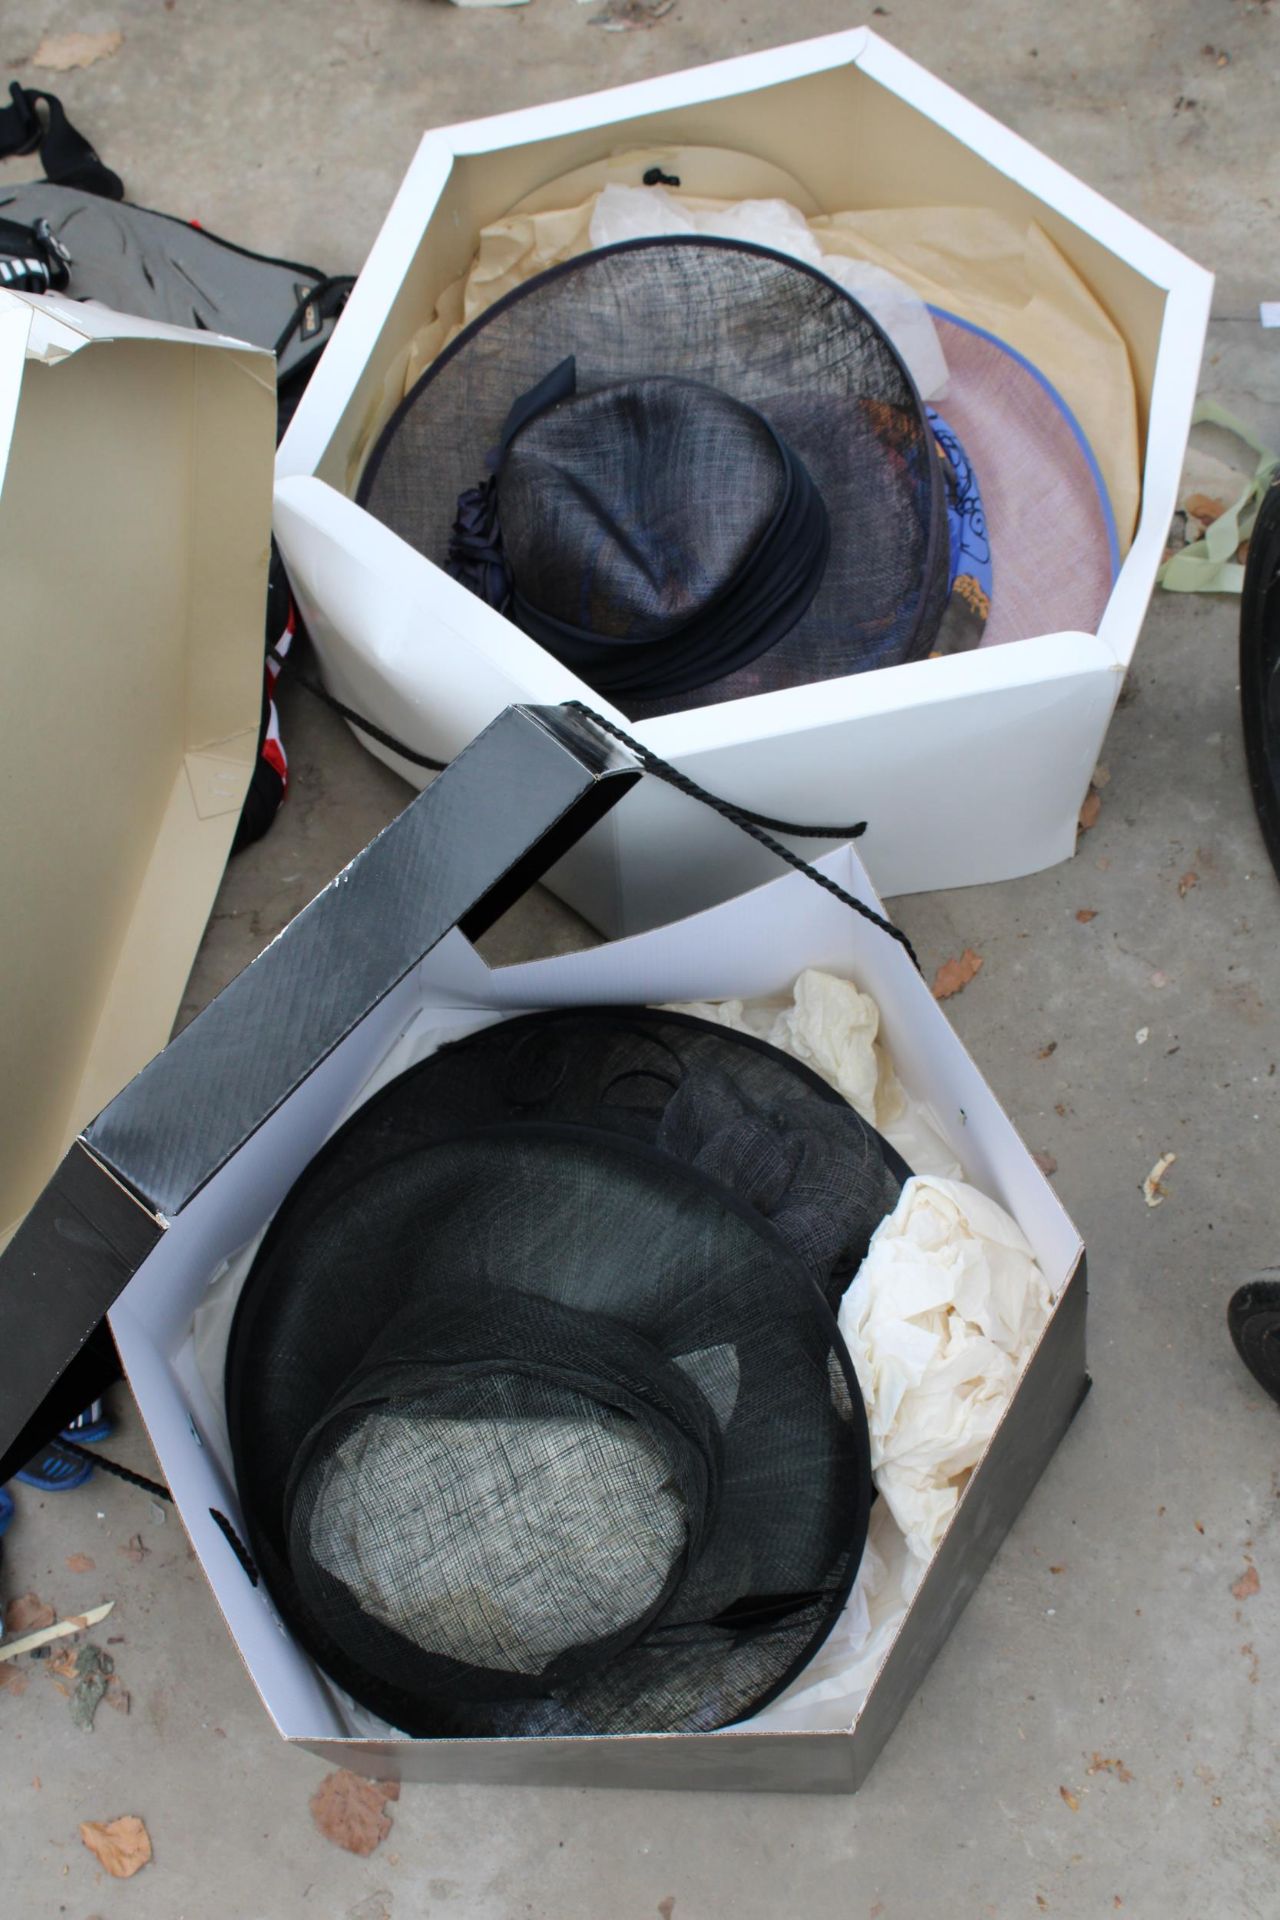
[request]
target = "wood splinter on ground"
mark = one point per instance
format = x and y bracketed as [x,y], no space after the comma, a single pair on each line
[76,1624]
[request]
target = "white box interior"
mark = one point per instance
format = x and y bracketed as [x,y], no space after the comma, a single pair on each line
[755,945]
[1016,727]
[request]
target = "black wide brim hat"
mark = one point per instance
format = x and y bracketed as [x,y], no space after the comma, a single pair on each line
[754,331]
[540,1416]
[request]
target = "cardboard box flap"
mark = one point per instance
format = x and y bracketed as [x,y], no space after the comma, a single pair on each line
[135,485]
[458,856]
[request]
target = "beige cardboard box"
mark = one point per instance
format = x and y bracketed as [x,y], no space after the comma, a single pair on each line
[135,479]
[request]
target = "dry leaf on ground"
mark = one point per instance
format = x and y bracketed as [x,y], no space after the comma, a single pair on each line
[1205,506]
[1046,1163]
[94,1670]
[123,1846]
[1101,1764]
[27,1613]
[1090,810]
[667,1906]
[135,1549]
[1152,1191]
[349,1810]
[1085,914]
[80,1563]
[12,1681]
[61,52]
[954,975]
[1186,883]
[1070,1799]
[376,1907]
[1247,1585]
[1045,1052]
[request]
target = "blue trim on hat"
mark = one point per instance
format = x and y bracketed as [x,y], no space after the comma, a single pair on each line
[954,320]
[966,517]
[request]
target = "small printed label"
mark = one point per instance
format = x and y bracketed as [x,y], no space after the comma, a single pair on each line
[312,319]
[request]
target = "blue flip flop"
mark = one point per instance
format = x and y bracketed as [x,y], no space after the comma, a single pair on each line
[55,1470]
[90,1426]
[59,1468]
[6,1515]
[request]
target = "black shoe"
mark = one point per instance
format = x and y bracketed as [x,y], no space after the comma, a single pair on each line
[1253,1318]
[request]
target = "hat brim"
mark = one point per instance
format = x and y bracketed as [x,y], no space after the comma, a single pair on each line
[504,1113]
[666,1253]
[1054,549]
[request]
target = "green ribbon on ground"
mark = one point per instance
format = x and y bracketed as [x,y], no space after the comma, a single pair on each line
[1209,564]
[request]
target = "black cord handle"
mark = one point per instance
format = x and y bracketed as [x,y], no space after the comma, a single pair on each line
[358,720]
[755,824]
[160,1492]
[760,826]
[97,1459]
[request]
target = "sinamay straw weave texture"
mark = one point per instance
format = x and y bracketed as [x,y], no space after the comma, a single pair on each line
[764,330]
[541,1420]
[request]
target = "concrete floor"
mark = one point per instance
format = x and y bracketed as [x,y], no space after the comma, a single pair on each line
[1107,1625]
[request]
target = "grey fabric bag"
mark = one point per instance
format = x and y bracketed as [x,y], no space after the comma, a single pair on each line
[75,233]
[154,263]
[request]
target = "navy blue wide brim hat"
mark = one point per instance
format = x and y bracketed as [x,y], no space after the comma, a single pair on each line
[691,469]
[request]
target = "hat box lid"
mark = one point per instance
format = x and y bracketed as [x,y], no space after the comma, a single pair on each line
[135,502]
[526,789]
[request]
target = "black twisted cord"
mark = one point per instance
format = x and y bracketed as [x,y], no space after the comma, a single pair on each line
[97,1459]
[236,1545]
[161,1492]
[761,826]
[384,739]
[755,824]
